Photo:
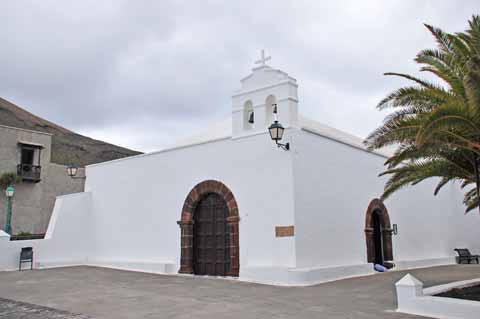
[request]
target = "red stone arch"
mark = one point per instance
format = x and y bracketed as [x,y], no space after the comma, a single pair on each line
[187,221]
[376,205]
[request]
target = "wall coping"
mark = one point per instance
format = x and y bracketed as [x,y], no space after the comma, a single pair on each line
[4,235]
[435,290]
[412,299]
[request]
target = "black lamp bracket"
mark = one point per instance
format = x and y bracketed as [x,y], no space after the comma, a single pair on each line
[78,177]
[284,147]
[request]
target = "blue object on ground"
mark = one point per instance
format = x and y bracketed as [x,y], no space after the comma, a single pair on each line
[380,268]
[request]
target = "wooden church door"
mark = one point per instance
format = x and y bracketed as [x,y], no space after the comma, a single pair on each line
[211,237]
[378,238]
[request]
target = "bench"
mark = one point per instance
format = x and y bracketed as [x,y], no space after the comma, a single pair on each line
[465,255]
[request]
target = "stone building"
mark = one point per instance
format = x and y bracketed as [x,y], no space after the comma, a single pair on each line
[27,153]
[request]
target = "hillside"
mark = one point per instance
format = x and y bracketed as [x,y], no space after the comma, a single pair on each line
[67,146]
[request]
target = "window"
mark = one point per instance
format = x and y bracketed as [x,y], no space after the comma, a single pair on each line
[27,155]
[29,166]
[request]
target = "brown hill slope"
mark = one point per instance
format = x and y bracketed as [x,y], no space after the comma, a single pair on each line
[67,146]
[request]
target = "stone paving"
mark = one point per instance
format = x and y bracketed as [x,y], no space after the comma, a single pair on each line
[20,310]
[114,294]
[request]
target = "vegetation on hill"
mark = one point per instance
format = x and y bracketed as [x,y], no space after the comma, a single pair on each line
[437,126]
[67,146]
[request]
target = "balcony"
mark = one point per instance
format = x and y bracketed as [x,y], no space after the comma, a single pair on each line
[29,173]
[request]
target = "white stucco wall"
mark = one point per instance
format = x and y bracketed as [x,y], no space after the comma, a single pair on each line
[334,184]
[138,201]
[67,241]
[128,216]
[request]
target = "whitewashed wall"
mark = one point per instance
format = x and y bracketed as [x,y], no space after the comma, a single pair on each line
[67,241]
[138,201]
[334,183]
[128,216]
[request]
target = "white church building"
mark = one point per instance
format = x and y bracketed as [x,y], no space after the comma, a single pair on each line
[231,203]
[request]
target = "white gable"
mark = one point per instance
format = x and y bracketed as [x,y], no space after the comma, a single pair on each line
[262,77]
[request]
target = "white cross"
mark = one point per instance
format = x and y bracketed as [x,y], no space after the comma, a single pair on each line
[263,59]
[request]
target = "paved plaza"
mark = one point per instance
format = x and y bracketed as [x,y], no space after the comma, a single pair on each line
[22,310]
[90,292]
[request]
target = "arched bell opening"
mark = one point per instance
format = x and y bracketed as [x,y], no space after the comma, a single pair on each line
[248,116]
[270,103]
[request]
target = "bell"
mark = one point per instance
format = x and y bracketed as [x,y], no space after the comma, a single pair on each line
[250,118]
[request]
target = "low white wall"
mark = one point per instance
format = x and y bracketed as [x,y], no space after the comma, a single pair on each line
[413,299]
[67,241]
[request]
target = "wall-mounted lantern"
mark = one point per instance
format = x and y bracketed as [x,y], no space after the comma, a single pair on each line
[72,171]
[276,131]
[395,229]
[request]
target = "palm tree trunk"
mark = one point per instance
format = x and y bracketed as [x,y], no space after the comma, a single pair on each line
[477,178]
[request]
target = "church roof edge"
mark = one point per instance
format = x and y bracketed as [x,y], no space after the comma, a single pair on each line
[222,131]
[242,92]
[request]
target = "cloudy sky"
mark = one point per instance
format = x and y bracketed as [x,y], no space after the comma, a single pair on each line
[143,73]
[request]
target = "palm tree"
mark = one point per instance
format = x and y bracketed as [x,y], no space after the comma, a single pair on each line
[436,128]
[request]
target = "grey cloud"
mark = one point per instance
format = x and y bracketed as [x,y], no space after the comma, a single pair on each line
[152,70]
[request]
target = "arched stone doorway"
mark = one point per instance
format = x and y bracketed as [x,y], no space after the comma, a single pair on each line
[209,231]
[378,233]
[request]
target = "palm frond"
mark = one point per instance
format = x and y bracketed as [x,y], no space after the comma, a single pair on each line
[436,128]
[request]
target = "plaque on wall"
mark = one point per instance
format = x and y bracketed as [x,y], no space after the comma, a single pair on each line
[284,231]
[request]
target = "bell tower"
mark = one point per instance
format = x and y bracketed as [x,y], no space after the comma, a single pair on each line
[252,105]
